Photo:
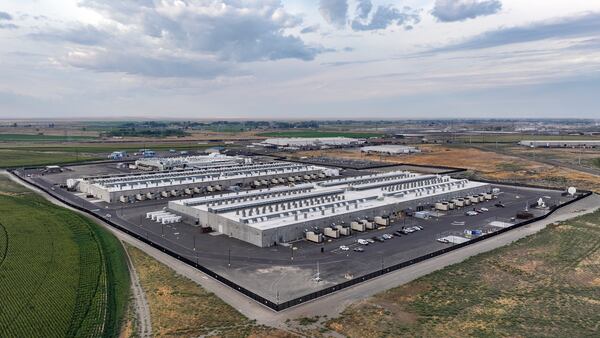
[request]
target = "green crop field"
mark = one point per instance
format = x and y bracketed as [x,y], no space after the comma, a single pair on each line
[317,133]
[17,158]
[60,274]
[39,138]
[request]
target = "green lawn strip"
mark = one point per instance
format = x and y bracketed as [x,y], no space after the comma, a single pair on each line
[20,158]
[37,137]
[61,276]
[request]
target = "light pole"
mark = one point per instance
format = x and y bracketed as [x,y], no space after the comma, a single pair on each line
[229,259]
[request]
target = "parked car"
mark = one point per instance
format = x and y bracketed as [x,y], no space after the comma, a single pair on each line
[379,239]
[399,233]
[362,241]
[471,213]
[387,236]
[484,209]
[370,240]
[499,205]
[359,249]
[344,248]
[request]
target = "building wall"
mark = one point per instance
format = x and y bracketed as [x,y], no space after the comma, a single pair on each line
[105,195]
[295,231]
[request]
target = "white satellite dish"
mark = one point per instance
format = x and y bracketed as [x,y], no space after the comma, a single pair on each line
[571,191]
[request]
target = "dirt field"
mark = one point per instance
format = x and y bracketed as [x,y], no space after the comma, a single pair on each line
[483,164]
[181,308]
[546,285]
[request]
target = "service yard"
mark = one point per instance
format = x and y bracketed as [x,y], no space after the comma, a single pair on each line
[285,272]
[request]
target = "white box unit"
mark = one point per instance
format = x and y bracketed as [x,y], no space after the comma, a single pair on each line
[330,232]
[344,231]
[358,226]
[124,199]
[382,221]
[313,237]
[164,194]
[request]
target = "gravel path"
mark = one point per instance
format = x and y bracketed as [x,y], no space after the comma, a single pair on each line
[142,309]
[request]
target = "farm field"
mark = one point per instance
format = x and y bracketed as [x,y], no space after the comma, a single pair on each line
[180,307]
[17,158]
[514,138]
[545,285]
[482,164]
[316,133]
[41,138]
[60,274]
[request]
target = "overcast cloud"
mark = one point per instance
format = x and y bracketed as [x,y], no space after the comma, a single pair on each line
[459,10]
[299,59]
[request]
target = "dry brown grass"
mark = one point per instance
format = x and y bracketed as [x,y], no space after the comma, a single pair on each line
[181,308]
[486,164]
[545,285]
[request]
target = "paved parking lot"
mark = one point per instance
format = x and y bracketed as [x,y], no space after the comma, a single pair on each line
[285,272]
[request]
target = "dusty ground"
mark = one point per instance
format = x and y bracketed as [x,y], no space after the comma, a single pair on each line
[181,308]
[546,285]
[484,164]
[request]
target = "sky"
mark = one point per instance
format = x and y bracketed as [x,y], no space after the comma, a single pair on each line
[299,59]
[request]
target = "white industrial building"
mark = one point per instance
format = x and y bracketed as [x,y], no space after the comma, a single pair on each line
[170,163]
[311,142]
[390,149]
[152,185]
[283,214]
[561,144]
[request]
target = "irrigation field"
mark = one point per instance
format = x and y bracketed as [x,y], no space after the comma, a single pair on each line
[60,274]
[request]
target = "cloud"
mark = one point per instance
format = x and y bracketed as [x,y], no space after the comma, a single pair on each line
[310,29]
[8,26]
[5,16]
[363,8]
[83,35]
[241,30]
[334,11]
[460,10]
[587,25]
[386,16]
[153,66]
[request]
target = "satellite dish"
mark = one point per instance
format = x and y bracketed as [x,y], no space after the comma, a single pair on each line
[571,191]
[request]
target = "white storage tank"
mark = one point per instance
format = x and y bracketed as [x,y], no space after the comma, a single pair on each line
[124,199]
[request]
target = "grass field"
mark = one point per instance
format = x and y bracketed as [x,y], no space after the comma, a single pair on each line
[546,285]
[42,138]
[514,138]
[19,158]
[317,133]
[180,307]
[60,274]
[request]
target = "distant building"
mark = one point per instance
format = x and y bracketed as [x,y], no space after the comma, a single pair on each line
[117,155]
[561,144]
[390,149]
[311,142]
